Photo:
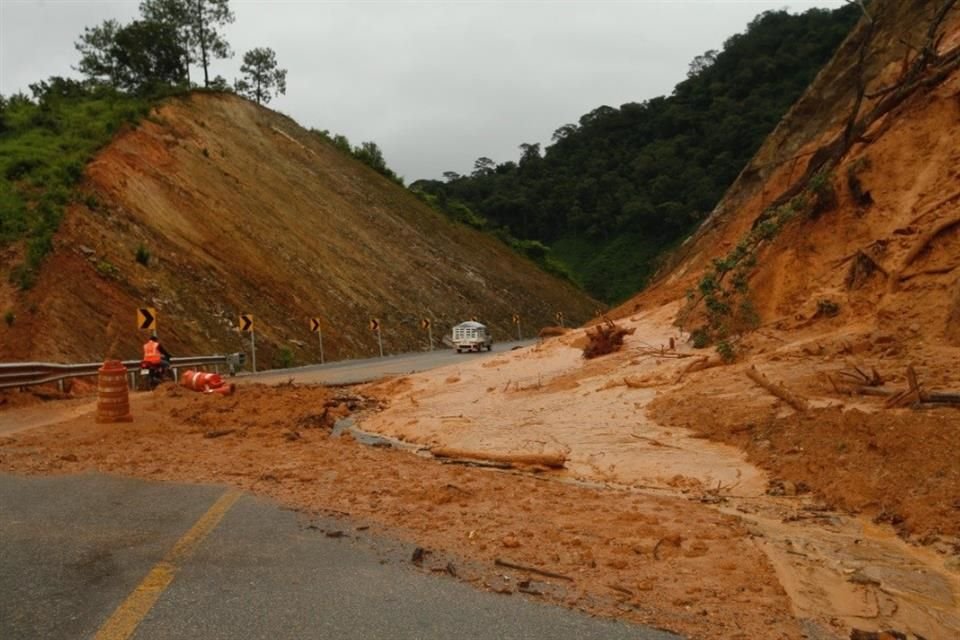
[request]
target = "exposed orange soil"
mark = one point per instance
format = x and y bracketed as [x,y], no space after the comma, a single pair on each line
[793,524]
[898,466]
[659,560]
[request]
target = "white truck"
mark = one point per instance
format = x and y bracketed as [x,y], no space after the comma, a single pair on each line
[472,336]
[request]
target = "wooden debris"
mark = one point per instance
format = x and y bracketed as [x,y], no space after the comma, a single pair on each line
[926,240]
[859,377]
[704,362]
[620,588]
[218,433]
[418,555]
[482,464]
[550,460]
[605,338]
[778,390]
[520,567]
[913,396]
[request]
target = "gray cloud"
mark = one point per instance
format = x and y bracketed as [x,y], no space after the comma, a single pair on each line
[435,84]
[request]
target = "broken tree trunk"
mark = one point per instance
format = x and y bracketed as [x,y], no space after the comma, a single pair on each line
[778,390]
[550,460]
[921,246]
[704,362]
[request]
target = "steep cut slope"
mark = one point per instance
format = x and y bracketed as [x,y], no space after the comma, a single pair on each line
[236,209]
[863,242]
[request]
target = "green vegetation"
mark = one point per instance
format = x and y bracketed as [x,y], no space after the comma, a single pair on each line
[262,78]
[724,289]
[9,317]
[369,153]
[283,359]
[45,143]
[615,190]
[47,139]
[142,255]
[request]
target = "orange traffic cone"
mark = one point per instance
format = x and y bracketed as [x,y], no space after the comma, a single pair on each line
[113,398]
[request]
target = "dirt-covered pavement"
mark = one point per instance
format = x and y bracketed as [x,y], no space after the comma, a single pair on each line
[715,511]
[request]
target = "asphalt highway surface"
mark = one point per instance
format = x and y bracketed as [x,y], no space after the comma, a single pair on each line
[357,371]
[93,556]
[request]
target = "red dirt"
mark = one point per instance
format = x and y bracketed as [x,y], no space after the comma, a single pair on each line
[664,561]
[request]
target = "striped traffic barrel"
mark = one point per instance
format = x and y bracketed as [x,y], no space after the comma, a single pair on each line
[113,398]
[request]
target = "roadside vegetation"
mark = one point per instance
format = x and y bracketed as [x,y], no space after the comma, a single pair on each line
[48,137]
[45,142]
[617,189]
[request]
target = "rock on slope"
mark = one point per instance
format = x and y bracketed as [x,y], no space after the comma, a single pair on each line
[243,211]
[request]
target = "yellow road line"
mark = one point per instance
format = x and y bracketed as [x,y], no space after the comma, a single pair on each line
[134,609]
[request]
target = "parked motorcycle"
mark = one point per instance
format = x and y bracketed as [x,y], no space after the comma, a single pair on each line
[154,373]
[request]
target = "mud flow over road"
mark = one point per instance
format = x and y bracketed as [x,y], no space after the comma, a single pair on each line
[704,506]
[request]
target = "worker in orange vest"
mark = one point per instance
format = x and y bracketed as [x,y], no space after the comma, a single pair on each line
[154,353]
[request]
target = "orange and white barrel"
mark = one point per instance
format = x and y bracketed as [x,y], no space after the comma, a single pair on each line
[199,381]
[113,396]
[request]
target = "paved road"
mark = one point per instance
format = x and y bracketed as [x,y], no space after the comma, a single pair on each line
[356,371]
[342,372]
[93,556]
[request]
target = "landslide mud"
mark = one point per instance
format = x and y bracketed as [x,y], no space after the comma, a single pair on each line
[661,560]
[833,533]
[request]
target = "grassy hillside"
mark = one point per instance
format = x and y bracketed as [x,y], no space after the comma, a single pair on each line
[45,143]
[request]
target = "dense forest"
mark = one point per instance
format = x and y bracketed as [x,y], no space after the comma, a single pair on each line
[615,190]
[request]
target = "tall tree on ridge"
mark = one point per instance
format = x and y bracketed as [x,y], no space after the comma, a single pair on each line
[261,75]
[198,23]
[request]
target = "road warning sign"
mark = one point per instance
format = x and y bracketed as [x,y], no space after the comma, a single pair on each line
[425,324]
[314,325]
[374,324]
[246,322]
[516,318]
[147,319]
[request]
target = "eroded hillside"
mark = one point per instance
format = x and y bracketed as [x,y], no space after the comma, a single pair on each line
[877,240]
[240,210]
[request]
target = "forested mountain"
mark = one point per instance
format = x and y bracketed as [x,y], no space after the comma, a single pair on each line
[613,191]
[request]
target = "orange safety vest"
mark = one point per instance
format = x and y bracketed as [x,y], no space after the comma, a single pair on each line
[151,352]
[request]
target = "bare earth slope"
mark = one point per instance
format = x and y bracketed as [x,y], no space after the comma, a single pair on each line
[693,497]
[243,211]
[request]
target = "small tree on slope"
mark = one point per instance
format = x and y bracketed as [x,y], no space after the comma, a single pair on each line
[261,77]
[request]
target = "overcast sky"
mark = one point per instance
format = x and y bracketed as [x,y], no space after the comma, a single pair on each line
[435,84]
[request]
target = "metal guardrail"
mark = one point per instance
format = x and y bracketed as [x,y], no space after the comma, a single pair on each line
[26,374]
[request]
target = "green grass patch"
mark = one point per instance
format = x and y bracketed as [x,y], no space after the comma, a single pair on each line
[45,144]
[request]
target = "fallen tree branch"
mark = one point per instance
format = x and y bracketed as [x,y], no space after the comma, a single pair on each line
[218,433]
[550,460]
[704,362]
[778,390]
[542,572]
[927,272]
[488,464]
[925,241]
